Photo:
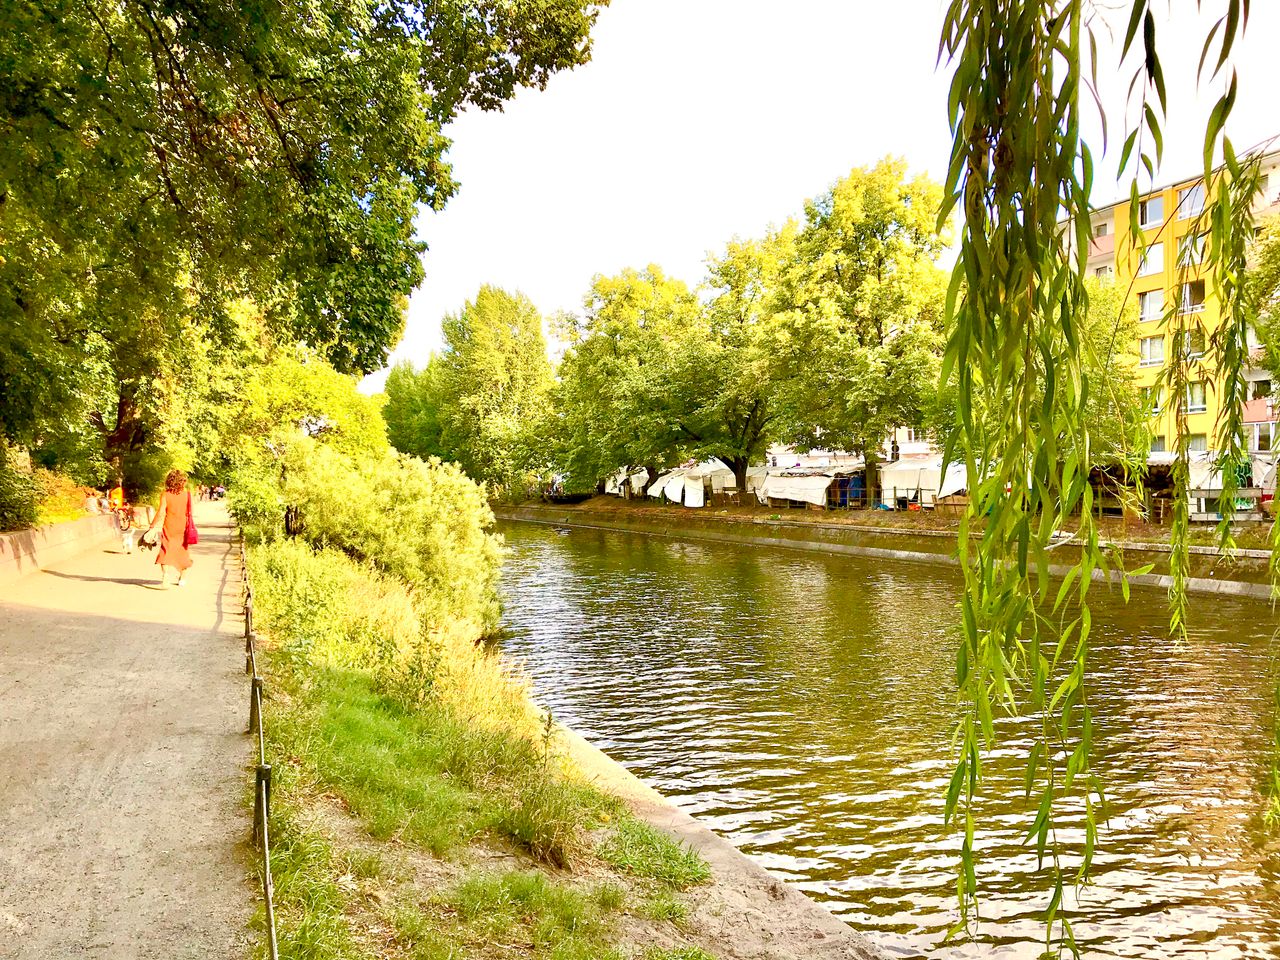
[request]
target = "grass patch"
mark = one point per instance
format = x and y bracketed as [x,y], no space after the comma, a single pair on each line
[643,851]
[559,921]
[423,778]
[680,953]
[664,905]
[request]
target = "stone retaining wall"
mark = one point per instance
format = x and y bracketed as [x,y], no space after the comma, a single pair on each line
[26,551]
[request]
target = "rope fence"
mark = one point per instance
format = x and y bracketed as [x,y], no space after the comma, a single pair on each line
[262,773]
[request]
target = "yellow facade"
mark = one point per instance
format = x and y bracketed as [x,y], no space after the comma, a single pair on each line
[1172,291]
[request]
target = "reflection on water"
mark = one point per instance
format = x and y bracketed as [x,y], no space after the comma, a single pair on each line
[801,705]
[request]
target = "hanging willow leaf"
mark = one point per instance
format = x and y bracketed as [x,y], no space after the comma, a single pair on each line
[1022,176]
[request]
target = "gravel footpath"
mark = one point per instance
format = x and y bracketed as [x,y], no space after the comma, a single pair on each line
[123,829]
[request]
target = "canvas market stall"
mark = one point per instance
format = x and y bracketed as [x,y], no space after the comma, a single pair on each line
[919,481]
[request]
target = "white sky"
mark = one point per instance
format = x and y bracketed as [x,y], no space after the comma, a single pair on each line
[698,120]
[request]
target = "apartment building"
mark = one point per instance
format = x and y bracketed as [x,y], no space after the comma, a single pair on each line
[1167,273]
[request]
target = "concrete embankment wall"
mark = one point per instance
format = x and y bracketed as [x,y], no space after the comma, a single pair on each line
[1243,575]
[26,551]
[795,927]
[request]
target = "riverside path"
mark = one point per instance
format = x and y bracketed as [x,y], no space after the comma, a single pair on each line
[123,826]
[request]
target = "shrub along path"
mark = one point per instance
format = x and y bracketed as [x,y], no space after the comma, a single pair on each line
[122,715]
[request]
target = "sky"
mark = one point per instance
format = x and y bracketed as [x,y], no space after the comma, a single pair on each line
[700,120]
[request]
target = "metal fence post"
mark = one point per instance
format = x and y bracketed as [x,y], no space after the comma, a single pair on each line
[261,802]
[255,705]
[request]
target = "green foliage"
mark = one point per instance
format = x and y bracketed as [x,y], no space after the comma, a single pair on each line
[1024,367]
[19,493]
[645,851]
[60,498]
[422,522]
[415,409]
[826,335]
[483,401]
[862,334]
[617,402]
[161,165]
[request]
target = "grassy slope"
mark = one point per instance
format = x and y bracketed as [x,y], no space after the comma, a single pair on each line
[420,832]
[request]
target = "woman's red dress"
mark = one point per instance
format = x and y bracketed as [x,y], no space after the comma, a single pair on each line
[173,532]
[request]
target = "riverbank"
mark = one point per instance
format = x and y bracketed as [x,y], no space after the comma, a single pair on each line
[423,809]
[893,536]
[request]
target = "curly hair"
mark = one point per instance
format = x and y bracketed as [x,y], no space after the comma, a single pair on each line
[175,481]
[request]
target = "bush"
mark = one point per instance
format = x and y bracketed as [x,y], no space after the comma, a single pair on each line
[19,492]
[60,497]
[255,503]
[424,522]
[325,609]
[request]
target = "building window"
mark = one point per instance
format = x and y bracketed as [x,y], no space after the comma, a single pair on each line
[1194,344]
[1190,200]
[1103,272]
[1151,351]
[1150,305]
[1102,229]
[1152,261]
[1191,297]
[1264,437]
[1191,249]
[1150,211]
[1199,443]
[1196,402]
[1259,389]
[1157,444]
[1152,397]
[916,434]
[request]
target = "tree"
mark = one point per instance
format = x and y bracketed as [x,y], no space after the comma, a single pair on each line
[1021,176]
[482,401]
[1264,293]
[862,334]
[160,160]
[622,399]
[414,409]
[740,412]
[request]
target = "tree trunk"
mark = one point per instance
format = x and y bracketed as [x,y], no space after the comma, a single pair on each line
[739,466]
[128,433]
[871,480]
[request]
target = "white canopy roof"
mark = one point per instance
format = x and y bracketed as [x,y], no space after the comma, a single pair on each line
[810,489]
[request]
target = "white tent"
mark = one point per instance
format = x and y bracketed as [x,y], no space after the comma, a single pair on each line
[806,489]
[755,480]
[920,475]
[638,480]
[659,486]
[615,483]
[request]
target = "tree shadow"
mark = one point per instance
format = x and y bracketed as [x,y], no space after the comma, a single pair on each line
[124,581]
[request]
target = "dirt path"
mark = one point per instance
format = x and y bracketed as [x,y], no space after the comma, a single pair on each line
[123,756]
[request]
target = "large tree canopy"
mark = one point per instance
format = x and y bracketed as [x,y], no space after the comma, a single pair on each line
[161,157]
[482,401]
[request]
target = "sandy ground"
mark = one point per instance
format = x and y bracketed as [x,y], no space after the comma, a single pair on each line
[123,756]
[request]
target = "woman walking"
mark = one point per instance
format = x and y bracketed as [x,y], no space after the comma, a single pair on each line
[174,522]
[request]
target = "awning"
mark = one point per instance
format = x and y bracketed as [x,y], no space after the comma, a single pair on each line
[810,489]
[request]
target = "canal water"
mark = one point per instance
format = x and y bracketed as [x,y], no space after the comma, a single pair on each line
[802,706]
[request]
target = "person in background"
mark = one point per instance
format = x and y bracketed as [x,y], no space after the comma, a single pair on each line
[172,521]
[124,515]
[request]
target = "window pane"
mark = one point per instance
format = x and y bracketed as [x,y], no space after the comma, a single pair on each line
[1151,211]
[1150,305]
[1157,444]
[1191,200]
[1199,443]
[1152,260]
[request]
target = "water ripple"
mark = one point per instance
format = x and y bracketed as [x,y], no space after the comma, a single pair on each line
[802,706]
